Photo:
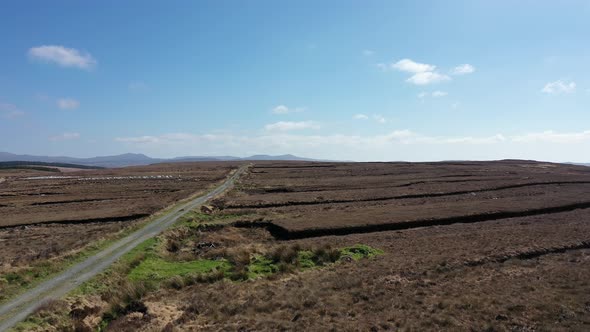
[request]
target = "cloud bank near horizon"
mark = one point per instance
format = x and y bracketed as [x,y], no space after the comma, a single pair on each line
[395,145]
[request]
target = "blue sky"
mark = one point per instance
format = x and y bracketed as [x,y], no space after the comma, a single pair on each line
[355,80]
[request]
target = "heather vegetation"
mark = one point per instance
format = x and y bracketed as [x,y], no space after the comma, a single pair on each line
[200,249]
[231,267]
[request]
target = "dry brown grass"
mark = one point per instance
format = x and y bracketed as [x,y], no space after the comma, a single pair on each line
[498,275]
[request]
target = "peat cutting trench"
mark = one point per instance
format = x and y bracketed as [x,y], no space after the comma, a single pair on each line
[17,309]
[130,217]
[387,198]
[282,233]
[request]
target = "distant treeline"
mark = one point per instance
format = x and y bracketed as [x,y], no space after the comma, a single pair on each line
[41,166]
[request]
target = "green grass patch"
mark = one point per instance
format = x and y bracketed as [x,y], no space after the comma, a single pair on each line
[298,259]
[126,263]
[158,269]
[195,218]
[148,247]
[306,259]
[359,251]
[261,266]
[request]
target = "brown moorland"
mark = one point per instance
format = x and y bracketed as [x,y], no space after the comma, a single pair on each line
[315,200]
[46,214]
[467,246]
[107,194]
[521,274]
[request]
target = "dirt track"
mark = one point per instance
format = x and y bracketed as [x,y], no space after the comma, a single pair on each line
[17,309]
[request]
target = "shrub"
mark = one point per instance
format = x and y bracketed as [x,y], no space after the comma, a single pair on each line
[176,282]
[209,277]
[125,298]
[284,254]
[320,255]
[173,245]
[136,261]
[49,306]
[334,255]
[277,254]
[286,268]
[239,274]
[290,255]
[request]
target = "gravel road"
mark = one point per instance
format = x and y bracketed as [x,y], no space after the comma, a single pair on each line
[19,308]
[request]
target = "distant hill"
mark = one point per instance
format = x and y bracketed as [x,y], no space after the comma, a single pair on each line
[134,159]
[281,157]
[41,166]
[127,159]
[17,163]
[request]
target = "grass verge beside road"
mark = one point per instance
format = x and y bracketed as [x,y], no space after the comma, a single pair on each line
[152,265]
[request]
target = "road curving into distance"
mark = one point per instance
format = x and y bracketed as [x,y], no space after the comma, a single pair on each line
[17,309]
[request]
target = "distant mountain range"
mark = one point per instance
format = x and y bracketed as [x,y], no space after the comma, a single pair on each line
[135,159]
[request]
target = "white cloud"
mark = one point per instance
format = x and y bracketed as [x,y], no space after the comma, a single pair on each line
[65,137]
[427,77]
[559,86]
[398,135]
[410,137]
[435,94]
[62,56]
[281,142]
[549,136]
[368,52]
[407,65]
[288,125]
[139,139]
[498,138]
[282,109]
[403,144]
[463,69]
[10,111]
[404,136]
[379,118]
[68,103]
[424,73]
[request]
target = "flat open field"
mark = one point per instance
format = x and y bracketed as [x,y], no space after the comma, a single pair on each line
[459,246]
[321,199]
[494,246]
[44,214]
[96,195]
